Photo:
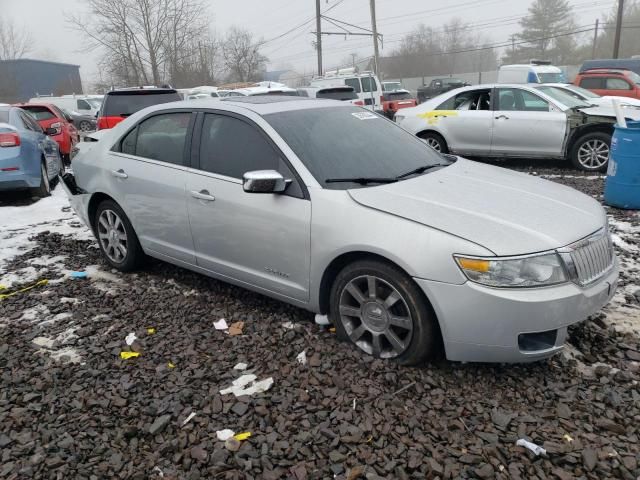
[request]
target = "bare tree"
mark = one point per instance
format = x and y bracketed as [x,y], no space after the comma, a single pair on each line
[143,41]
[15,42]
[242,56]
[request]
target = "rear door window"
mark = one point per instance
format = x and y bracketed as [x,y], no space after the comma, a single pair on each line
[369,84]
[124,104]
[161,137]
[592,83]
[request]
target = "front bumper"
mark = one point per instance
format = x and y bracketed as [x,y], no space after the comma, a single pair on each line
[78,198]
[482,324]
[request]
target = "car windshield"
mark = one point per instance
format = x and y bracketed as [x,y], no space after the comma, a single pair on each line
[583,92]
[39,113]
[634,77]
[563,97]
[452,81]
[397,96]
[374,147]
[4,116]
[391,86]
[122,104]
[552,77]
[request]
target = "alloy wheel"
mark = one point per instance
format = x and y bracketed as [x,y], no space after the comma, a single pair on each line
[85,126]
[593,154]
[112,236]
[434,143]
[376,317]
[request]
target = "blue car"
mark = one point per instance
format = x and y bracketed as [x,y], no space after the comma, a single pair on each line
[29,159]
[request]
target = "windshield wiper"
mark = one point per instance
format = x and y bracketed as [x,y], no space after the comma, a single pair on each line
[419,170]
[361,180]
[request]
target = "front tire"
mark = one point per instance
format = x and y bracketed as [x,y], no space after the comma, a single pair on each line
[44,189]
[85,126]
[590,153]
[435,141]
[116,237]
[382,311]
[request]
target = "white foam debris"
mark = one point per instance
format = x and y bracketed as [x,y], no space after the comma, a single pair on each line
[55,319]
[44,342]
[247,385]
[35,313]
[72,301]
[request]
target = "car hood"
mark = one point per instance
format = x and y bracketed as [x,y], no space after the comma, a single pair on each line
[606,111]
[507,212]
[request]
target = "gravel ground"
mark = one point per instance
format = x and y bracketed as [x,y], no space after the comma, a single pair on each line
[70,407]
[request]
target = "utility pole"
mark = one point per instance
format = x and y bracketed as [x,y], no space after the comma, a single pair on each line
[319,37]
[595,40]
[374,30]
[513,48]
[616,40]
[353,59]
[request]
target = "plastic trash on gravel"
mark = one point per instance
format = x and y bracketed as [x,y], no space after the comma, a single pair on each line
[78,275]
[322,319]
[189,418]
[151,331]
[536,449]
[236,328]
[225,434]
[221,324]
[128,355]
[129,339]
[302,357]
[247,385]
[242,436]
[241,366]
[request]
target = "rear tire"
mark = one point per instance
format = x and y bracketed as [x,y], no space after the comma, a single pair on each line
[380,309]
[85,126]
[116,237]
[44,190]
[435,141]
[590,153]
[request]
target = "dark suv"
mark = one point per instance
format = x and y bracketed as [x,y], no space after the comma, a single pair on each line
[121,103]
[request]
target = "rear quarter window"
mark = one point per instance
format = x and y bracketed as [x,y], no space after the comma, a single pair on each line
[592,83]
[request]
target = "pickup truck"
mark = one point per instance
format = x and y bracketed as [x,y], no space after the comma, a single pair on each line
[438,86]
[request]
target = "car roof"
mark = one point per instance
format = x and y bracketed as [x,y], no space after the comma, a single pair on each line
[262,105]
[27,105]
[599,71]
[141,90]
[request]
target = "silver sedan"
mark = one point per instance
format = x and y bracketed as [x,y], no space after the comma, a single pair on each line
[529,121]
[335,209]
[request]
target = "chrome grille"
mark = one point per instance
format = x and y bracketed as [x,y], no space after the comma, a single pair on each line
[592,257]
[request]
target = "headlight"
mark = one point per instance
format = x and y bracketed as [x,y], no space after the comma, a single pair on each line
[532,271]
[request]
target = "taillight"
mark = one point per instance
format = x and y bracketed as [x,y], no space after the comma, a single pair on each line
[9,140]
[56,127]
[102,123]
[360,103]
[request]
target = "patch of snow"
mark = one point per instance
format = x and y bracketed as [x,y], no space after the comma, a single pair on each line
[71,354]
[55,319]
[20,276]
[584,177]
[17,224]
[72,301]
[619,242]
[35,313]
[44,342]
[46,261]
[67,335]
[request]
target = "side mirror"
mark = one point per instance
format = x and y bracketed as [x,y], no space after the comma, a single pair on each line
[263,181]
[51,131]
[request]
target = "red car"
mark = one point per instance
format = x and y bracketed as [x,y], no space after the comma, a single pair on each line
[610,82]
[395,100]
[50,117]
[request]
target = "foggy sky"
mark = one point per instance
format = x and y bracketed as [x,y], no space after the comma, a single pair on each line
[55,40]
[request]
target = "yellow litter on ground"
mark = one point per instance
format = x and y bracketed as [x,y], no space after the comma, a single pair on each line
[128,355]
[151,330]
[171,365]
[7,295]
[242,436]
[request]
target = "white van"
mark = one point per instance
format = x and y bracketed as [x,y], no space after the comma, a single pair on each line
[366,84]
[84,104]
[535,72]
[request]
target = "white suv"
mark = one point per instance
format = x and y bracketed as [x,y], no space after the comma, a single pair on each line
[366,85]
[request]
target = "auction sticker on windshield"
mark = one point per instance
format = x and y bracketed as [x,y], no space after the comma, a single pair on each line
[364,115]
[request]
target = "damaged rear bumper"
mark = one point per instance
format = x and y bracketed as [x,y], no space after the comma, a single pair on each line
[78,198]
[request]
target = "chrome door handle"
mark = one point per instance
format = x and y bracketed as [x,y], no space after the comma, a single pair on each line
[203,195]
[503,117]
[119,174]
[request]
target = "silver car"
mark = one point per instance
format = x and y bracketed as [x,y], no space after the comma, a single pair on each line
[530,121]
[335,209]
